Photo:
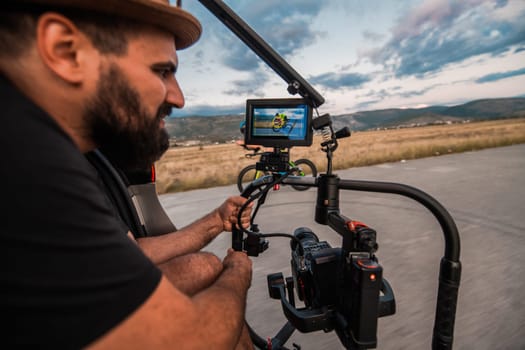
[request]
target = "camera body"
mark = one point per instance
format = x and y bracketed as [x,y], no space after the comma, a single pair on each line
[347,283]
[315,269]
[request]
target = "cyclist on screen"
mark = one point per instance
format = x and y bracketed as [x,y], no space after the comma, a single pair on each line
[279,121]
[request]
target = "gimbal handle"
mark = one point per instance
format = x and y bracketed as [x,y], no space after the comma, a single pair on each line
[305,320]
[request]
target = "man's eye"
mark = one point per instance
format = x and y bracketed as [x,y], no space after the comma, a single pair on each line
[164,73]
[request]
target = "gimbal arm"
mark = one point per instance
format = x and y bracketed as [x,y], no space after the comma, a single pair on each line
[450,268]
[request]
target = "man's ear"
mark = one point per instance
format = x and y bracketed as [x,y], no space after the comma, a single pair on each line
[59,43]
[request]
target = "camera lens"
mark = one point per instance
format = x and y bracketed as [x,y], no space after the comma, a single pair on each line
[305,235]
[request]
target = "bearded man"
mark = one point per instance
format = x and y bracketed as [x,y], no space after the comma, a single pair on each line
[76,75]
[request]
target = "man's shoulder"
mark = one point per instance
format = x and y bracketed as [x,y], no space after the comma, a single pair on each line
[28,131]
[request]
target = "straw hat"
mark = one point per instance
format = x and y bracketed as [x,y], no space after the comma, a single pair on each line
[185,27]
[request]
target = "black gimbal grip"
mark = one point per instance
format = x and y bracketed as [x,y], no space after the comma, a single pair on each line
[237,239]
[327,198]
[237,234]
[449,277]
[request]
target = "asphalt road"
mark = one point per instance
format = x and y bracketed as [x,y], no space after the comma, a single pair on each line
[484,191]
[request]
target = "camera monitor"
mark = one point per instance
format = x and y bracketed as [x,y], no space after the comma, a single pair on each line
[280,123]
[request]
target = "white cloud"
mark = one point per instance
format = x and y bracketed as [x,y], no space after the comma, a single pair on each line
[382,54]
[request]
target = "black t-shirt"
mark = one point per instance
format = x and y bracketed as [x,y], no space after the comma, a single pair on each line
[69,273]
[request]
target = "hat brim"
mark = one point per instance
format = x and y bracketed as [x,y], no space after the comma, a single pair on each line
[185,27]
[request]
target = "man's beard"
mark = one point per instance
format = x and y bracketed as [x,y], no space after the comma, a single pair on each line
[121,128]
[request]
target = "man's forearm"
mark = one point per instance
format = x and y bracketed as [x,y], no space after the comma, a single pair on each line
[168,319]
[189,239]
[191,273]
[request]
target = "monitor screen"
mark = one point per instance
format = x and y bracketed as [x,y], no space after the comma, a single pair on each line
[278,122]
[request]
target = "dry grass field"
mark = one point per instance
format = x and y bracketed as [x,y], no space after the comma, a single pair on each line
[186,168]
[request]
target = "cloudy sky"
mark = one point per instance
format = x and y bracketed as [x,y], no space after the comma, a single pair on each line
[360,55]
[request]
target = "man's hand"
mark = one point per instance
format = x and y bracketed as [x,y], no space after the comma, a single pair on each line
[241,264]
[229,210]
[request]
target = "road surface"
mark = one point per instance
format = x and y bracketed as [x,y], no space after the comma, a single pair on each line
[484,191]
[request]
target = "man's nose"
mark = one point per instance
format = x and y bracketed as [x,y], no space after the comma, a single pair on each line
[174,95]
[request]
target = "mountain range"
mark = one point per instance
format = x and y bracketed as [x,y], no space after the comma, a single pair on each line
[224,128]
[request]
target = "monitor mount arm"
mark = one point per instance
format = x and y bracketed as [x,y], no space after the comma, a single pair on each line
[296,83]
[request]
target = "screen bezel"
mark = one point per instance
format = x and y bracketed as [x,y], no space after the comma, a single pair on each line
[251,139]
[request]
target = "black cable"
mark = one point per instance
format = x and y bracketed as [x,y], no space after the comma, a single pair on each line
[285,235]
[261,193]
[261,200]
